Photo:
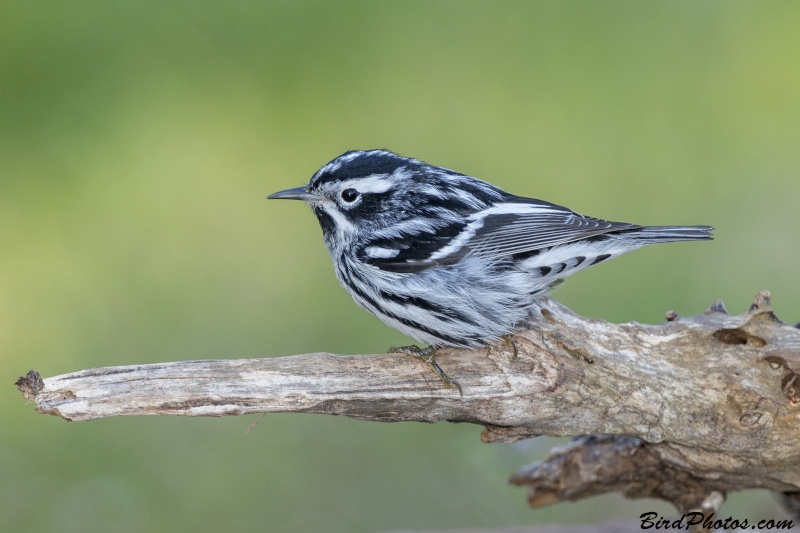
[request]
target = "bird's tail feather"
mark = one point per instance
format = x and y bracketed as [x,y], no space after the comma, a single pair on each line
[654,234]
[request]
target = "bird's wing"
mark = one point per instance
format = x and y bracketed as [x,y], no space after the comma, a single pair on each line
[411,249]
[502,230]
[514,228]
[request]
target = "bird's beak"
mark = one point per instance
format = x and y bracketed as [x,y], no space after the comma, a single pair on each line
[298,193]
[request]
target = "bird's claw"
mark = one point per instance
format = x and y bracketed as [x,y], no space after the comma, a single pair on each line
[428,356]
[510,340]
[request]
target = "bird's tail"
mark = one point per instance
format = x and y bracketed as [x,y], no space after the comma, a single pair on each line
[654,234]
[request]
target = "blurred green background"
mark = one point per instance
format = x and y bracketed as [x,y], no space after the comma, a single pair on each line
[138,141]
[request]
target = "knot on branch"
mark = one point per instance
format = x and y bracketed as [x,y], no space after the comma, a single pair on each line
[790,362]
[30,384]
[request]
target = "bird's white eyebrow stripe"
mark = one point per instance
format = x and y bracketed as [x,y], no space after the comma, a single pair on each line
[376,184]
[477,220]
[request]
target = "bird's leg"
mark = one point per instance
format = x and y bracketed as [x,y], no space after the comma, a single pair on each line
[510,340]
[428,355]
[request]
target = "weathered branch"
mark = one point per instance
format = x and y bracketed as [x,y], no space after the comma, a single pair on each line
[700,406]
[597,464]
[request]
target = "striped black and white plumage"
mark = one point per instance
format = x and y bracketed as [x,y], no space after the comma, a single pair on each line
[449,259]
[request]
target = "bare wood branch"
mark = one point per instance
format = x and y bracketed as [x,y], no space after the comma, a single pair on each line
[712,399]
[597,464]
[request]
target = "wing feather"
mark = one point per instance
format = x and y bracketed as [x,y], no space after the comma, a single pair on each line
[512,233]
[501,230]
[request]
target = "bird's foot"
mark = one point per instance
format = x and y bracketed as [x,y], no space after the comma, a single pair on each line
[511,341]
[427,355]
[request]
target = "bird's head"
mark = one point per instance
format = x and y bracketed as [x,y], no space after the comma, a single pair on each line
[366,192]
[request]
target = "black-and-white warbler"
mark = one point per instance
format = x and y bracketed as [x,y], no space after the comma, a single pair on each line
[448,259]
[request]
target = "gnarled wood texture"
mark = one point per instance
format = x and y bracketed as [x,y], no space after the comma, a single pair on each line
[686,411]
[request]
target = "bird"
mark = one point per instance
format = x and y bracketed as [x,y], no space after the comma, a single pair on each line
[449,259]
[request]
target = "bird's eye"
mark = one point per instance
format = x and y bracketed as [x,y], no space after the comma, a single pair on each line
[350,195]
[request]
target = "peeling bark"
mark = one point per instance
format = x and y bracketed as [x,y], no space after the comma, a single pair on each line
[686,411]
